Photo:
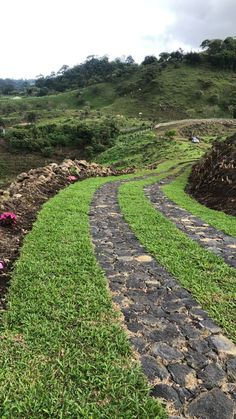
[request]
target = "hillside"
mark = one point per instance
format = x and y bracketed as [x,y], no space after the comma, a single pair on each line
[174,92]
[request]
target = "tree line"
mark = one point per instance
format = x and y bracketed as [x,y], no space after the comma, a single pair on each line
[220,54]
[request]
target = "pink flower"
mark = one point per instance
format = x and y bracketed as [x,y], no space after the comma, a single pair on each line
[7,219]
[72,178]
[1,265]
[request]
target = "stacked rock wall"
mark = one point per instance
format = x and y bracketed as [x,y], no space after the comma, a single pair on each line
[213,179]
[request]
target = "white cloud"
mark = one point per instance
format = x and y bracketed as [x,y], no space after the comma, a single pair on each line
[41,36]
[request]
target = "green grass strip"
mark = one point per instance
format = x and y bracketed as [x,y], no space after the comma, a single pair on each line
[218,219]
[63,352]
[211,281]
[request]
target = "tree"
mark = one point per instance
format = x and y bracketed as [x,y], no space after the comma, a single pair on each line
[129,60]
[164,56]
[62,70]
[149,59]
[31,117]
[193,58]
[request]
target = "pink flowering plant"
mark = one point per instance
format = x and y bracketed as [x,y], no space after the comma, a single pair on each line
[7,219]
[2,265]
[72,178]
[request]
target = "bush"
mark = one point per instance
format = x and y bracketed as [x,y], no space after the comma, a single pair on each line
[47,151]
[205,84]
[171,133]
[214,99]
[199,94]
[97,133]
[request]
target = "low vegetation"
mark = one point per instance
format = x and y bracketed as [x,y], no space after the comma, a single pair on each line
[147,147]
[90,136]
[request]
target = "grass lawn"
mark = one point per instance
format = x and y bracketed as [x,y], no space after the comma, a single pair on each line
[218,219]
[64,353]
[210,280]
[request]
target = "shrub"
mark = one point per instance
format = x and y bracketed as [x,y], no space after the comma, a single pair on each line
[199,94]
[47,151]
[214,99]
[171,133]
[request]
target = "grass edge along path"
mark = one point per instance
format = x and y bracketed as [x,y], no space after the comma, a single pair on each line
[63,352]
[218,219]
[211,281]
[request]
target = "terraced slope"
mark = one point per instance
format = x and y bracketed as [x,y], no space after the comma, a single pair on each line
[176,298]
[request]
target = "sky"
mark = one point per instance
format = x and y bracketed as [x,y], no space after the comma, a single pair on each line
[39,36]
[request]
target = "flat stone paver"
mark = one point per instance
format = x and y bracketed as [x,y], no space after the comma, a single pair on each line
[198,230]
[183,353]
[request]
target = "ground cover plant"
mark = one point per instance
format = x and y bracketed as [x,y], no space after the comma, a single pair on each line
[210,280]
[63,352]
[145,147]
[218,219]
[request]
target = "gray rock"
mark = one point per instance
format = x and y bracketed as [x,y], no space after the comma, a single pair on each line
[210,325]
[166,352]
[153,369]
[184,394]
[173,306]
[231,369]
[139,343]
[223,345]
[168,393]
[211,405]
[167,335]
[180,372]
[134,327]
[199,345]
[212,376]
[190,331]
[196,360]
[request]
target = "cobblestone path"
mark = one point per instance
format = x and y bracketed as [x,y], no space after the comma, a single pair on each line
[212,239]
[183,353]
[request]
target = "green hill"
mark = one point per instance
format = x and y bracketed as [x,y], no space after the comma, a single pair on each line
[136,98]
[177,91]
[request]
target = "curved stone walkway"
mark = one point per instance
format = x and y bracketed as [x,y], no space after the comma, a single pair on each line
[198,230]
[182,351]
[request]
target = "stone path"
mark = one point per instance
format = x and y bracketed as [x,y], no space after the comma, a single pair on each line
[209,237]
[182,351]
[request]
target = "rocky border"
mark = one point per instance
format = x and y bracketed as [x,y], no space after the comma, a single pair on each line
[183,353]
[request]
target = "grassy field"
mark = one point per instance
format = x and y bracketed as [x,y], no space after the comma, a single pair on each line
[218,219]
[63,351]
[210,280]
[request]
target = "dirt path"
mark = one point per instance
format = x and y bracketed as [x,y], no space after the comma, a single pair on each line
[183,353]
[209,237]
[192,121]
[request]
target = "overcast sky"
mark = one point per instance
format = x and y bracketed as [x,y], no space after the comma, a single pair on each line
[39,36]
